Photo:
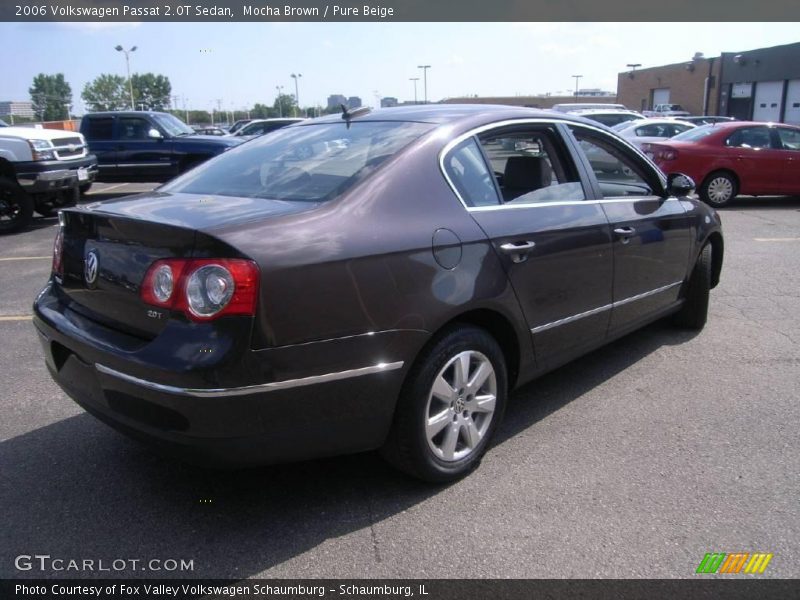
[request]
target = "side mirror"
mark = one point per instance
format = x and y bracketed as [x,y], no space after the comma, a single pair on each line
[679,184]
[154,134]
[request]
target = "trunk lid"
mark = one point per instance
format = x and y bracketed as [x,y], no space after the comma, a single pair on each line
[109,246]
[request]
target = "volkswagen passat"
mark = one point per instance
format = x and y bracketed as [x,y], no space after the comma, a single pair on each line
[368,280]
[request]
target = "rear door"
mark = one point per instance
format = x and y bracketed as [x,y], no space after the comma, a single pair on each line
[140,157]
[555,246]
[651,234]
[758,164]
[99,133]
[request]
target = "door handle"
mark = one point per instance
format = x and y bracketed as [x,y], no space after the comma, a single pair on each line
[625,231]
[518,250]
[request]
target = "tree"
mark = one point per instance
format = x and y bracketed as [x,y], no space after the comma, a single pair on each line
[152,91]
[284,105]
[51,96]
[106,92]
[261,111]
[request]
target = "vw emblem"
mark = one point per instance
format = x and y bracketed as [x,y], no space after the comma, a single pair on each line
[90,268]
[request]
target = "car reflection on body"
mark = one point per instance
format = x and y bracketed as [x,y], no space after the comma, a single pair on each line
[386,289]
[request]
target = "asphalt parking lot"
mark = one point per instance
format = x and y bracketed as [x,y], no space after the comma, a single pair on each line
[633,461]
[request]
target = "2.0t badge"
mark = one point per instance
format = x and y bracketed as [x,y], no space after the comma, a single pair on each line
[91,265]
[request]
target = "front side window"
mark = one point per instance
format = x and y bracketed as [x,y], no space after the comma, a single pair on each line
[133,128]
[312,163]
[173,125]
[617,172]
[790,138]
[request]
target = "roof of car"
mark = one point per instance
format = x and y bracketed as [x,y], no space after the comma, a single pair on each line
[451,113]
[124,113]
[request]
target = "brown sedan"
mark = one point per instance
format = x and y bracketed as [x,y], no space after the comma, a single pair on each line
[369,280]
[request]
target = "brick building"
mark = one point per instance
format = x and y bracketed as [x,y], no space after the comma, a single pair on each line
[693,84]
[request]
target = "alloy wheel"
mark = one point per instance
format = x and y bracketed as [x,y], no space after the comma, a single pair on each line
[460,406]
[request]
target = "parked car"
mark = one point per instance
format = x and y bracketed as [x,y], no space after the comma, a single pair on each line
[610,118]
[41,170]
[209,130]
[651,130]
[147,146]
[705,120]
[387,293]
[3,123]
[731,158]
[568,107]
[262,126]
[666,110]
[238,125]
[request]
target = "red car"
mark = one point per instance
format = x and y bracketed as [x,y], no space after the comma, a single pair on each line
[738,157]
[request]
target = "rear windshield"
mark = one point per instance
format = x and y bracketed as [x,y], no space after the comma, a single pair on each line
[311,163]
[693,135]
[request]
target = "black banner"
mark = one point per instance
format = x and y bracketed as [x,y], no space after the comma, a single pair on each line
[398,10]
[396,589]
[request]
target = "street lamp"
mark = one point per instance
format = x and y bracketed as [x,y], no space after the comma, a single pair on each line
[128,65]
[296,92]
[577,79]
[633,68]
[425,79]
[280,103]
[415,80]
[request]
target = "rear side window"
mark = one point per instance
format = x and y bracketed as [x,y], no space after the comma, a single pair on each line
[311,163]
[467,170]
[749,137]
[98,128]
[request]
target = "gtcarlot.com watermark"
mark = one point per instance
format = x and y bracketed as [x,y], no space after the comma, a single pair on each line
[49,564]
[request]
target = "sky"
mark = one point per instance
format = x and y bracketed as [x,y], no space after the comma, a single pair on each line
[242,63]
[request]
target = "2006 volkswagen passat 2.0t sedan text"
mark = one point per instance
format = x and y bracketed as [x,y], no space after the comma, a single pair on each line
[368,280]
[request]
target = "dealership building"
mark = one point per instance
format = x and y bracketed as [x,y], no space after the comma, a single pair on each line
[759,85]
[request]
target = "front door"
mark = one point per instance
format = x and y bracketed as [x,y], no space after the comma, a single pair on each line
[651,234]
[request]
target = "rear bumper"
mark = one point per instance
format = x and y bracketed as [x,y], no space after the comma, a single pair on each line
[53,176]
[323,410]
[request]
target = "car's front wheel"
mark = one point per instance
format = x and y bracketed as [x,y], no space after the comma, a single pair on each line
[16,207]
[718,189]
[694,312]
[450,407]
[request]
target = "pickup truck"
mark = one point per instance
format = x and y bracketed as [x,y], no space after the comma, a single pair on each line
[147,146]
[666,110]
[41,170]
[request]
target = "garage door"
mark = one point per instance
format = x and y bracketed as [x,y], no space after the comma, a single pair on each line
[793,102]
[767,106]
[660,96]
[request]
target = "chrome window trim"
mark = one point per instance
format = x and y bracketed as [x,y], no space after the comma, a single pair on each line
[606,307]
[535,121]
[250,389]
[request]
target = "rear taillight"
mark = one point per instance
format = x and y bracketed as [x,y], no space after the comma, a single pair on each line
[668,154]
[202,288]
[58,253]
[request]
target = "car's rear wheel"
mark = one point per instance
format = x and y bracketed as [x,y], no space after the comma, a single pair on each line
[450,407]
[16,207]
[694,312]
[718,189]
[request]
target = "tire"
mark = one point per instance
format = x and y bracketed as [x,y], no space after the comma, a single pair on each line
[16,207]
[718,189]
[694,312]
[442,426]
[50,206]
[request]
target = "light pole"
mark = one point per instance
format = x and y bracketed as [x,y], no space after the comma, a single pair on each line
[296,92]
[128,65]
[279,102]
[415,80]
[633,66]
[577,79]
[425,79]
